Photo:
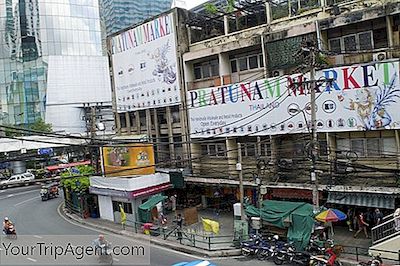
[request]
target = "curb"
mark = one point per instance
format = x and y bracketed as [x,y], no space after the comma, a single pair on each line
[169,245]
[159,242]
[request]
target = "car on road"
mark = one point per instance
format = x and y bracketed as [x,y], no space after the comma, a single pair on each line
[195,263]
[17,179]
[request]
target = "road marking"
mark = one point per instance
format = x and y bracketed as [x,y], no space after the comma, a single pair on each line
[25,201]
[115,259]
[37,236]
[21,193]
[31,259]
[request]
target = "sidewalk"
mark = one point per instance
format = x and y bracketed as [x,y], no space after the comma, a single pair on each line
[225,248]
[171,243]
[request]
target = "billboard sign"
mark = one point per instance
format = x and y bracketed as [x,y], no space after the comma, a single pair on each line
[145,66]
[348,98]
[137,159]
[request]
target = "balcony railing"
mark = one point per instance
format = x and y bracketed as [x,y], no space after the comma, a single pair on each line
[384,231]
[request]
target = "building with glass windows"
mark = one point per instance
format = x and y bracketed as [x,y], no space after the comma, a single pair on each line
[121,14]
[51,62]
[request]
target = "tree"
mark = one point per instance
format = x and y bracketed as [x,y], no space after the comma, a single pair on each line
[42,126]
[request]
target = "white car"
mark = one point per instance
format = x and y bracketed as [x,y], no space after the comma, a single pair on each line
[15,179]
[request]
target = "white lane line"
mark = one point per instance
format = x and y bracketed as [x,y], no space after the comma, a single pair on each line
[33,260]
[25,201]
[21,193]
[115,259]
[37,236]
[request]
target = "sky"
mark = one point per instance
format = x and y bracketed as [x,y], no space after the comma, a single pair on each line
[192,3]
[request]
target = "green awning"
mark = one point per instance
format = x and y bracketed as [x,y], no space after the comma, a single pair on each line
[299,214]
[144,210]
[152,202]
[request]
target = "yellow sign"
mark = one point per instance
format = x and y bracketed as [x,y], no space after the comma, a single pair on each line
[136,159]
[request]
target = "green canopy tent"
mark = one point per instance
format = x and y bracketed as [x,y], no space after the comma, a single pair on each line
[298,217]
[144,210]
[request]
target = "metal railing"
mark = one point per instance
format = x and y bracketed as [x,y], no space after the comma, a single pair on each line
[384,231]
[363,254]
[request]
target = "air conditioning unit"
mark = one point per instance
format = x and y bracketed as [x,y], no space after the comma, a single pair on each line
[278,73]
[379,56]
[285,163]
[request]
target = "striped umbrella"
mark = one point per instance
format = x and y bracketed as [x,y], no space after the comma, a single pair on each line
[331,215]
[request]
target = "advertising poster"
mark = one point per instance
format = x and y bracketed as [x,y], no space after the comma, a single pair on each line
[349,98]
[145,66]
[129,160]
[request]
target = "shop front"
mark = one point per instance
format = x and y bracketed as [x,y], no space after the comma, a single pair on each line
[130,193]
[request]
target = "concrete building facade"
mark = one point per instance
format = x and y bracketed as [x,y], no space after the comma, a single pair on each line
[261,41]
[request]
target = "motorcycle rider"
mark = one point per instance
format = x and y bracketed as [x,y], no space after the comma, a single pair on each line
[101,243]
[7,225]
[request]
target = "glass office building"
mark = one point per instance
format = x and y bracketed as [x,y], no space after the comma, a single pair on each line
[51,62]
[120,14]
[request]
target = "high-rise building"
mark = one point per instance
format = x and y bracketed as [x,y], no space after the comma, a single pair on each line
[120,14]
[51,62]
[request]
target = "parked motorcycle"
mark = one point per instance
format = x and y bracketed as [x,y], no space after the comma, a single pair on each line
[375,261]
[329,259]
[317,247]
[251,247]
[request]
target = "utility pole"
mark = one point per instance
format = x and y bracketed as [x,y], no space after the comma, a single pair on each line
[314,137]
[241,190]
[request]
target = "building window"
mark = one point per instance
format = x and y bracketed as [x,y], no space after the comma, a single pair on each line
[253,62]
[233,66]
[214,150]
[368,147]
[243,63]
[365,40]
[176,118]
[353,42]
[206,69]
[265,150]
[350,43]
[323,148]
[335,45]
[127,206]
[122,120]
[249,150]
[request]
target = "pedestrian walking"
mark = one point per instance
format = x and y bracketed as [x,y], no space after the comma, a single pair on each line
[173,203]
[179,224]
[363,225]
[350,217]
[378,217]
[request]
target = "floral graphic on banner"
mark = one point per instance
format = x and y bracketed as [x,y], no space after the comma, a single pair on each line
[371,105]
[163,70]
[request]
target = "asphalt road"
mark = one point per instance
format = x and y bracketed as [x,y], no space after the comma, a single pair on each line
[33,217]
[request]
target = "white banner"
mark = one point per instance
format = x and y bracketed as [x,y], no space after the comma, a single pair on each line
[358,97]
[145,66]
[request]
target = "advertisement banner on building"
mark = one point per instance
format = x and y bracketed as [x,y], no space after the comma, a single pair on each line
[137,159]
[348,98]
[145,66]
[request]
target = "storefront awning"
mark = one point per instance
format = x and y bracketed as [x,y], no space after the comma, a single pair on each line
[151,202]
[374,200]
